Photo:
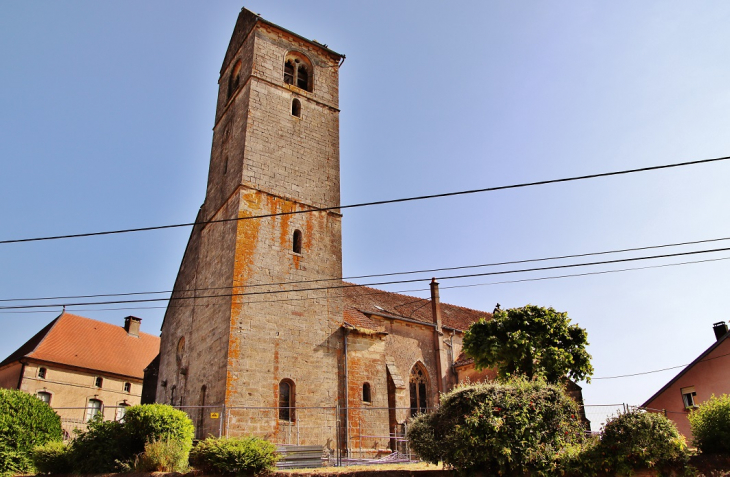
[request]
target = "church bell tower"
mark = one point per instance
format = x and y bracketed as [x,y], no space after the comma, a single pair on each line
[252,322]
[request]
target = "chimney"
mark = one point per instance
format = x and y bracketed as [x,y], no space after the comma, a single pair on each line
[720,329]
[131,325]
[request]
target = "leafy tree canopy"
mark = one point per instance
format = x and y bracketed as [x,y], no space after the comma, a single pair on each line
[530,341]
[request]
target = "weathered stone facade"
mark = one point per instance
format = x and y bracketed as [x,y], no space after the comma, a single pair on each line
[241,337]
[260,322]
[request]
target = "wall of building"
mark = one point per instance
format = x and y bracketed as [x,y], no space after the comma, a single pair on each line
[71,390]
[263,161]
[709,376]
[369,433]
[10,376]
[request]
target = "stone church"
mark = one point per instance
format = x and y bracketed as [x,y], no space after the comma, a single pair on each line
[260,322]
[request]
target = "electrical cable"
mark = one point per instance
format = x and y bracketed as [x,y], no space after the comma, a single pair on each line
[664,369]
[367,204]
[392,282]
[410,272]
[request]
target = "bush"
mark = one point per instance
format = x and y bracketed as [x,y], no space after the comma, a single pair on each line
[710,424]
[158,422]
[25,422]
[103,448]
[639,440]
[162,456]
[234,455]
[52,458]
[515,427]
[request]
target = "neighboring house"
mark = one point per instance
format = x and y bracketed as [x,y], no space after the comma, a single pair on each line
[82,367]
[707,375]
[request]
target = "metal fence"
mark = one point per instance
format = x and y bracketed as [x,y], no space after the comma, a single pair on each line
[346,436]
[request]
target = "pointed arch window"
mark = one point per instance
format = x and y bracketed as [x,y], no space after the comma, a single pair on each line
[418,384]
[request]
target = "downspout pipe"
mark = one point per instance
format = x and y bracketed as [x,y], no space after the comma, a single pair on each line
[346,420]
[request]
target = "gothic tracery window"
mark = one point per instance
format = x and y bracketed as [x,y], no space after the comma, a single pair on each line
[418,384]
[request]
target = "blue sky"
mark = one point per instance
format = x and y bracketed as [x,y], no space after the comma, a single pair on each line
[106,110]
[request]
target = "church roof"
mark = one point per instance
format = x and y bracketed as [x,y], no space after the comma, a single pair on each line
[80,342]
[361,302]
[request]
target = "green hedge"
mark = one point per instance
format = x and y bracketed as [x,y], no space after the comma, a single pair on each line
[515,427]
[234,455]
[25,422]
[710,424]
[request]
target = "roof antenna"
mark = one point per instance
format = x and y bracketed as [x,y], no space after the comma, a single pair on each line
[64,309]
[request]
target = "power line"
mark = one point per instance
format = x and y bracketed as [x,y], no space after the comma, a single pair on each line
[664,369]
[410,272]
[367,204]
[393,282]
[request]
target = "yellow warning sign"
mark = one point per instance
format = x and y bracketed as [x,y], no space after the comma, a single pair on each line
[214,415]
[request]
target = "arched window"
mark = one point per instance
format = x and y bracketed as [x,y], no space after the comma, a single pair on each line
[225,165]
[42,373]
[93,407]
[296,108]
[366,397]
[298,71]
[44,396]
[172,395]
[287,401]
[297,241]
[234,80]
[121,411]
[127,387]
[418,383]
[98,381]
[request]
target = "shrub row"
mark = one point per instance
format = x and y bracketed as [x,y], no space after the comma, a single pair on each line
[531,428]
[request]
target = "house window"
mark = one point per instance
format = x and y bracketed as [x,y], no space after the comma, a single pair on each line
[298,71]
[234,80]
[297,241]
[296,108]
[286,400]
[42,373]
[688,397]
[98,381]
[366,397]
[92,409]
[44,396]
[121,411]
[418,382]
[127,387]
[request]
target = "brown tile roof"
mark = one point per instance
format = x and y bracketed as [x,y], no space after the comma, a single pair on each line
[361,301]
[73,340]
[463,360]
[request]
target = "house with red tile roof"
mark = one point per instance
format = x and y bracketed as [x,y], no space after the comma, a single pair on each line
[82,367]
[708,374]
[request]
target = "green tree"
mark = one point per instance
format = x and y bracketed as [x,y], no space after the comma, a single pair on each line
[530,341]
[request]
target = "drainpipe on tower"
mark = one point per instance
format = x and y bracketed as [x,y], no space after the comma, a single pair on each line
[437,333]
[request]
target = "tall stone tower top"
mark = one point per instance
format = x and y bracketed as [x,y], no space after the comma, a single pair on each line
[276,126]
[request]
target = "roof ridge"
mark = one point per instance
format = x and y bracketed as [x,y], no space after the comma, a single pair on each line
[31,345]
[411,296]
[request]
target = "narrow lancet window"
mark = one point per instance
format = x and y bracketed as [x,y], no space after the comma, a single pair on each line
[296,108]
[297,242]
